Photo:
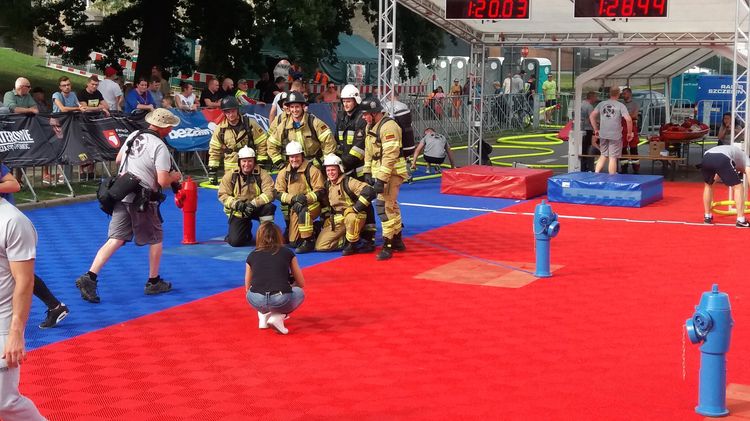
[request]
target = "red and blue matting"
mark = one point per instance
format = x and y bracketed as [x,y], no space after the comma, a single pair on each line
[601,339]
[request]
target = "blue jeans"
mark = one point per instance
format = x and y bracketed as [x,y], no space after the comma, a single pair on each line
[279,303]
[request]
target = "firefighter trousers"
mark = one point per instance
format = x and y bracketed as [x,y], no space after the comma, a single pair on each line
[337,228]
[387,207]
[240,234]
[301,224]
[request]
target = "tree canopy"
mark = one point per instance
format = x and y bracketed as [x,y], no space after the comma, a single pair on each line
[231,32]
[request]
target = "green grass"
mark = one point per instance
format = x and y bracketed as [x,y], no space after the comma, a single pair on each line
[15,64]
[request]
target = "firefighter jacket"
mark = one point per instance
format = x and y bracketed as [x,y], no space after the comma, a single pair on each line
[383,151]
[307,180]
[350,137]
[312,133]
[256,189]
[226,141]
[345,192]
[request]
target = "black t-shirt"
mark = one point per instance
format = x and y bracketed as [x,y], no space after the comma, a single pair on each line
[270,271]
[91,100]
[216,96]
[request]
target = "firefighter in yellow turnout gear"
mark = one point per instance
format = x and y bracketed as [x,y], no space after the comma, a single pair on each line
[247,193]
[386,169]
[231,135]
[346,202]
[311,133]
[299,185]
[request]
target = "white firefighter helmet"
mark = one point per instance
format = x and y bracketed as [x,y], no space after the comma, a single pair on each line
[351,91]
[246,152]
[293,148]
[333,160]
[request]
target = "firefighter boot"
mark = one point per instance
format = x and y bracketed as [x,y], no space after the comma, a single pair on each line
[367,242]
[349,249]
[306,245]
[387,251]
[398,243]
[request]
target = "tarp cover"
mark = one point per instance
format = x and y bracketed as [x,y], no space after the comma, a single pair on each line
[486,181]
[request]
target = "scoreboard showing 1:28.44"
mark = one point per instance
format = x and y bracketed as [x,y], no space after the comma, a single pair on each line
[487,9]
[620,8]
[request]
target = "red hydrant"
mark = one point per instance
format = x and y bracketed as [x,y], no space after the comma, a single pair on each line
[187,200]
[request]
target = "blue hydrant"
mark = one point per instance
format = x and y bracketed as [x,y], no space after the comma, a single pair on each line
[712,325]
[545,227]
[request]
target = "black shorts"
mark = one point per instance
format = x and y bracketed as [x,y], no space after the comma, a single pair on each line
[550,102]
[433,160]
[717,163]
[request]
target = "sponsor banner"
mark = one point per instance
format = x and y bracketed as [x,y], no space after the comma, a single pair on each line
[25,141]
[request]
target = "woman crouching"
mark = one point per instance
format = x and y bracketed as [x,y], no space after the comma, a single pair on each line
[268,281]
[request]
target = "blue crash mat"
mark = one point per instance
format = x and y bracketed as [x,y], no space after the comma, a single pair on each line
[626,190]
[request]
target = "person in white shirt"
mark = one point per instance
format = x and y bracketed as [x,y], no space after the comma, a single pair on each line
[185,100]
[111,90]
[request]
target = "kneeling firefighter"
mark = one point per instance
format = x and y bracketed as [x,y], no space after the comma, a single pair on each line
[247,193]
[299,186]
[346,210]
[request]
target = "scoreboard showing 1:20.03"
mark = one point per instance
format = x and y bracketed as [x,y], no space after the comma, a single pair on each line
[487,9]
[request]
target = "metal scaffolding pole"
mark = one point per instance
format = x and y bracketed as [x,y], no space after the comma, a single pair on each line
[386,48]
[741,82]
[476,80]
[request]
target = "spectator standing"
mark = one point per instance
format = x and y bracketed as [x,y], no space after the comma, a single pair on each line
[17,254]
[65,100]
[549,89]
[507,85]
[227,87]
[40,97]
[608,132]
[19,101]
[725,130]
[139,98]
[211,97]
[185,100]
[436,148]
[90,97]
[263,85]
[111,89]
[268,272]
[158,71]
[331,94]
[517,84]
[498,87]
[587,107]
[455,94]
[631,145]
[146,157]
[154,88]
[278,87]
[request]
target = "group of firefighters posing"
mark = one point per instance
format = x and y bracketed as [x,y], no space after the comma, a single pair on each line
[362,160]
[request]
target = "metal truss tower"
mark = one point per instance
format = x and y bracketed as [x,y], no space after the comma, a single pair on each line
[741,82]
[386,49]
[476,105]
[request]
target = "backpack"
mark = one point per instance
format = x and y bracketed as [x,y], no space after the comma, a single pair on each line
[407,135]
[245,121]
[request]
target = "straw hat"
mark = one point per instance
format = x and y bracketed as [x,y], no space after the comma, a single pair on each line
[162,118]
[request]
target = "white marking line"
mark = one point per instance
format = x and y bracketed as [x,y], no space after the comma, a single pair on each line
[588,218]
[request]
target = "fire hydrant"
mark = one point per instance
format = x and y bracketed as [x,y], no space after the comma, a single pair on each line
[712,325]
[545,227]
[186,198]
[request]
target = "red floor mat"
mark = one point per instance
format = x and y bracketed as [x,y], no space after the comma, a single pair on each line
[600,340]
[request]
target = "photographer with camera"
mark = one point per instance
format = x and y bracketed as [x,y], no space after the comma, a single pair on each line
[145,167]
[247,193]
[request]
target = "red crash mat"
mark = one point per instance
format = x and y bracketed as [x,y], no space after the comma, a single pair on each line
[486,181]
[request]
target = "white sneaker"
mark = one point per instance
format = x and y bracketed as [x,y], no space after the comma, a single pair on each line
[263,320]
[277,321]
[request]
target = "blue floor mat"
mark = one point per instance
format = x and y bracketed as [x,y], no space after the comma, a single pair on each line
[69,237]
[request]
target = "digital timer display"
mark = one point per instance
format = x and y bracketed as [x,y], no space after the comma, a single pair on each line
[487,9]
[620,8]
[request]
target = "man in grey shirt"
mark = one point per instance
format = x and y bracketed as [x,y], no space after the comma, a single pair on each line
[435,148]
[608,132]
[17,254]
[146,157]
[724,162]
